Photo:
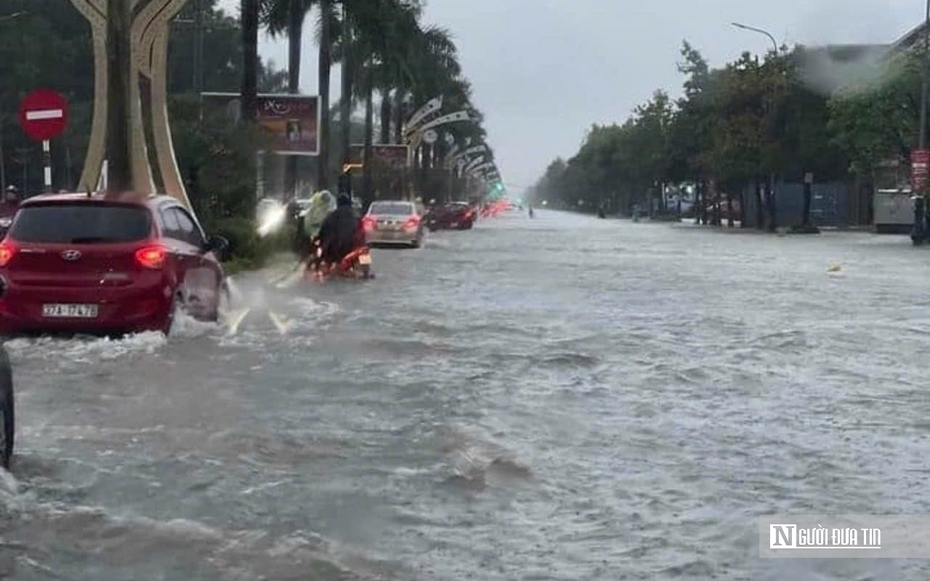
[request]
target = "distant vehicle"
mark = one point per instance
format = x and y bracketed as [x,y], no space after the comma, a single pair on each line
[266,205]
[7,415]
[80,263]
[452,216]
[394,222]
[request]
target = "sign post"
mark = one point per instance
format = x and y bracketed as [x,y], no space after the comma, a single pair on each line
[920,169]
[43,116]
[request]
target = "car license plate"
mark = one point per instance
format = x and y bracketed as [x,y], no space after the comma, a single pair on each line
[455,224]
[70,311]
[364,259]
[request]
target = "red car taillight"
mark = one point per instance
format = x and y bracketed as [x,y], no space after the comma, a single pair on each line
[151,257]
[412,223]
[368,222]
[7,251]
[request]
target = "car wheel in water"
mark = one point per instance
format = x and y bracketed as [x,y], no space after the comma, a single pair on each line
[177,307]
[7,417]
[223,302]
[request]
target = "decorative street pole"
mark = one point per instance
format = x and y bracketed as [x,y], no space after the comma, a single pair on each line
[130,40]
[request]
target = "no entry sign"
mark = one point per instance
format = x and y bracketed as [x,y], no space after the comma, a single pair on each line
[43,114]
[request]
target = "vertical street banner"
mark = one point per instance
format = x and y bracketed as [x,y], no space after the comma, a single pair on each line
[290,122]
[920,169]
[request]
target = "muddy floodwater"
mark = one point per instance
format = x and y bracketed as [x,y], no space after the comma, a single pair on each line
[562,398]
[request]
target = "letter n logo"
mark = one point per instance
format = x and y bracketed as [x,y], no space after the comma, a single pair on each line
[782,536]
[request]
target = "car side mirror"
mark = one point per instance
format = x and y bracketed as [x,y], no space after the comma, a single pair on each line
[217,244]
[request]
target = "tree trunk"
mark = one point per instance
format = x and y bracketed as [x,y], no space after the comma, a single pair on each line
[119,164]
[773,215]
[806,212]
[295,30]
[345,105]
[729,210]
[369,133]
[705,217]
[325,62]
[398,117]
[249,90]
[698,201]
[742,207]
[760,207]
[385,116]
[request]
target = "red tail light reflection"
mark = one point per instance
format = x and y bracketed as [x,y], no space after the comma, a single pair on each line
[368,222]
[412,223]
[151,257]
[7,251]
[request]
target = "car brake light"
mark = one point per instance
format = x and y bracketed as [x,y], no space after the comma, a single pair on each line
[368,222]
[6,254]
[151,257]
[412,223]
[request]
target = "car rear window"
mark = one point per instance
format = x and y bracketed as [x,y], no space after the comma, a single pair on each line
[81,224]
[392,208]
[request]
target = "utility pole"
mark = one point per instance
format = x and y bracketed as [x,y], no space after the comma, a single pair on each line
[119,167]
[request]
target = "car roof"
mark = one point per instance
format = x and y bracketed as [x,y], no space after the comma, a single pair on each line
[92,197]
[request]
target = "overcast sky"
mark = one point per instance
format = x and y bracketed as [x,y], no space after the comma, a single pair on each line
[544,70]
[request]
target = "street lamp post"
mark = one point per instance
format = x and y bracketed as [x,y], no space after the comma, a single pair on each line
[770,197]
[760,31]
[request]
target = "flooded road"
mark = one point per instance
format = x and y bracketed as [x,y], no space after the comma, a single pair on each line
[561,398]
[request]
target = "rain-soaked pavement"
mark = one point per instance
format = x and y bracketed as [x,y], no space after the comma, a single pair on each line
[559,398]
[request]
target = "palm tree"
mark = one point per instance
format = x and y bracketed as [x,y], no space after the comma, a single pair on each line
[433,51]
[287,17]
[379,36]
[249,93]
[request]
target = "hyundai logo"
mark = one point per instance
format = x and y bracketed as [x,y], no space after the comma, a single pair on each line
[71,254]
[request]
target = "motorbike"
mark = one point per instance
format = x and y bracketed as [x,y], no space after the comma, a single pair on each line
[356,265]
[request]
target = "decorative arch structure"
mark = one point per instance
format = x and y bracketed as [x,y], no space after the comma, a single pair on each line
[149,63]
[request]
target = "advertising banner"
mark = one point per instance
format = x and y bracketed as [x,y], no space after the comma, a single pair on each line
[391,156]
[291,122]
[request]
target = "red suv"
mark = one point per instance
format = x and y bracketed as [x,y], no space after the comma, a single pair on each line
[107,263]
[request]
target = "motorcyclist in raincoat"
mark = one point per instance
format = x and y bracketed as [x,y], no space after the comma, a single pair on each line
[340,232]
[311,220]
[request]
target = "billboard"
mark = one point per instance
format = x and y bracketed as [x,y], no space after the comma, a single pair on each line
[290,121]
[920,168]
[392,156]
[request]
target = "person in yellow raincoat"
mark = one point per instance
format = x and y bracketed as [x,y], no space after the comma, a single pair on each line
[321,205]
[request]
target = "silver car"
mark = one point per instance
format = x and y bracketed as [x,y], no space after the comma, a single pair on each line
[394,222]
